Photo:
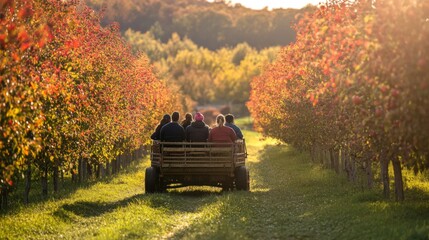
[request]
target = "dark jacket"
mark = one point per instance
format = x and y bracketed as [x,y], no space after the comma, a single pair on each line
[157,134]
[172,132]
[198,131]
[236,130]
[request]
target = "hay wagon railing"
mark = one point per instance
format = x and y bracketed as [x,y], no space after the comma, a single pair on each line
[178,164]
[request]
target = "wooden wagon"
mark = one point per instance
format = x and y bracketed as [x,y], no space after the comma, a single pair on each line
[180,164]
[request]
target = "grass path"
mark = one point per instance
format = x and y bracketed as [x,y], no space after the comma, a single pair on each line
[290,199]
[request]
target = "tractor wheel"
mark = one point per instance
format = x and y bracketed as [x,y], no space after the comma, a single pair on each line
[242,181]
[151,182]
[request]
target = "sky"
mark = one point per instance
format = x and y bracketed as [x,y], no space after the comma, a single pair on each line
[259,4]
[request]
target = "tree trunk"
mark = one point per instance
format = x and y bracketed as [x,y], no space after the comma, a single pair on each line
[124,159]
[44,181]
[312,152]
[113,167]
[399,184]
[101,171]
[89,170]
[331,158]
[107,168]
[384,163]
[334,160]
[79,171]
[55,179]
[84,170]
[327,158]
[353,173]
[118,163]
[27,184]
[369,174]
[73,176]
[62,178]
[4,200]
[347,169]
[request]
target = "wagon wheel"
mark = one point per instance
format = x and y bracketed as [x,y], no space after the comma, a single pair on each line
[152,180]
[242,180]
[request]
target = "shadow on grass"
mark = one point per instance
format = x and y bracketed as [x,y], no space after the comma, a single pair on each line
[416,194]
[184,201]
[93,209]
[66,188]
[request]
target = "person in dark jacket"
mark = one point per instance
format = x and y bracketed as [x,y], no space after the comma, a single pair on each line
[198,131]
[157,134]
[173,132]
[229,118]
[187,121]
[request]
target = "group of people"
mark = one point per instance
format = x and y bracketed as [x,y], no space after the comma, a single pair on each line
[194,129]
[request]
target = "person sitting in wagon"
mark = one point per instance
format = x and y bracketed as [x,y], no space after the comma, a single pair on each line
[173,131]
[222,133]
[198,131]
[157,134]
[229,118]
[187,121]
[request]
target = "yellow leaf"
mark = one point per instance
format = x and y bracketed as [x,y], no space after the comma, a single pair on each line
[368,18]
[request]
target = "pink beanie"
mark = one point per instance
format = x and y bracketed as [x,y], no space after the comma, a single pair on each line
[199,116]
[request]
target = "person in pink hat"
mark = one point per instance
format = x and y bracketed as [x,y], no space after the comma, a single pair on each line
[198,131]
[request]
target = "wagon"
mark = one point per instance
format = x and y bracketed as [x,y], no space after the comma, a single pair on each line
[177,164]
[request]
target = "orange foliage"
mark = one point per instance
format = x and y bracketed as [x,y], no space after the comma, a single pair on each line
[354,80]
[70,88]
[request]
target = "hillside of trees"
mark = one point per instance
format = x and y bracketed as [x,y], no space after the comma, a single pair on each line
[210,25]
[204,76]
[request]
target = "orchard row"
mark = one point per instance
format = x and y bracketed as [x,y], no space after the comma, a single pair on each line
[71,90]
[354,85]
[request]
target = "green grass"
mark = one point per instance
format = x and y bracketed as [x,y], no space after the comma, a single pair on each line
[290,198]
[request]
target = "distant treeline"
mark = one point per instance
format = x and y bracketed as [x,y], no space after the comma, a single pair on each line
[204,76]
[210,25]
